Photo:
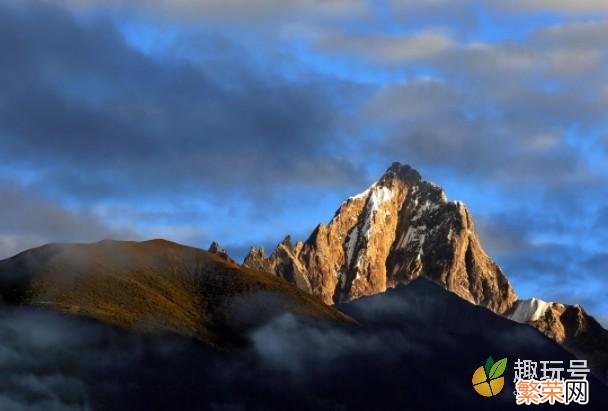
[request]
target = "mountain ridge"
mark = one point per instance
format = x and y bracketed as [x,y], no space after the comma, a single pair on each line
[402,228]
[569,325]
[153,286]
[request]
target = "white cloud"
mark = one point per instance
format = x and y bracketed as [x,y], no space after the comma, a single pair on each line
[573,34]
[414,100]
[262,10]
[385,48]
[27,220]
[563,6]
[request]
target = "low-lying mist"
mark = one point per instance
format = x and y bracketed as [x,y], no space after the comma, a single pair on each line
[414,348]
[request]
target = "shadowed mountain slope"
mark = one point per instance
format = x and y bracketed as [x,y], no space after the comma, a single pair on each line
[416,348]
[455,336]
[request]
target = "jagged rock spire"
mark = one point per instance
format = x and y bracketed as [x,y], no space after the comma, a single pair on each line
[216,249]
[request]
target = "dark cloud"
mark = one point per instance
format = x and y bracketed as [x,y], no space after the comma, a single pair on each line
[27,219]
[97,117]
[500,235]
[514,231]
[34,359]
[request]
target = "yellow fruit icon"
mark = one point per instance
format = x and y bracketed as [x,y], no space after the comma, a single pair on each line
[488,380]
[479,376]
[497,385]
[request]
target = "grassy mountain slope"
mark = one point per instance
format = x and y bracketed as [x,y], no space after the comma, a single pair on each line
[153,286]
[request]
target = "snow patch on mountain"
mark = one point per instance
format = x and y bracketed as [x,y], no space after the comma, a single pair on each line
[427,208]
[413,234]
[363,194]
[378,196]
[529,310]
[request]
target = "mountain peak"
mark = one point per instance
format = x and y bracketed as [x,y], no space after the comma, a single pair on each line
[397,230]
[401,171]
[286,242]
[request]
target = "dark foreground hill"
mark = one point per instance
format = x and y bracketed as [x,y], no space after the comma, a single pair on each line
[416,348]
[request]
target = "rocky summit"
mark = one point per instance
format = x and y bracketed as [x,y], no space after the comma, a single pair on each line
[397,230]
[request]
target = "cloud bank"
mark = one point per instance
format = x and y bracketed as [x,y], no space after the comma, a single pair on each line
[407,350]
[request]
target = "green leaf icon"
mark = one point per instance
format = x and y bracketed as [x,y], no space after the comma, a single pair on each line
[498,369]
[489,364]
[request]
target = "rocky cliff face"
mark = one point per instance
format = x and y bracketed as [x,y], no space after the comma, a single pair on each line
[216,249]
[399,229]
[569,325]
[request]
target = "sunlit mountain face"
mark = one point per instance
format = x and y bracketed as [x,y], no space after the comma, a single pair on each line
[393,191]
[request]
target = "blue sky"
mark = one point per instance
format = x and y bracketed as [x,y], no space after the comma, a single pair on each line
[243,121]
